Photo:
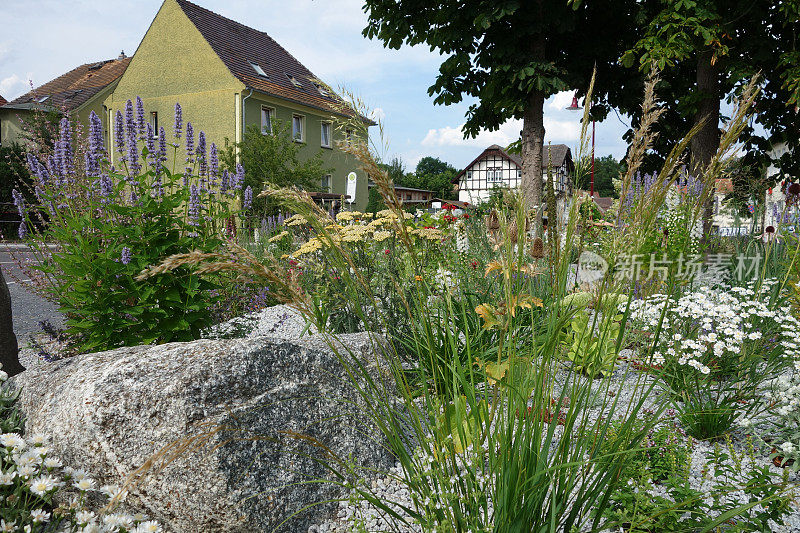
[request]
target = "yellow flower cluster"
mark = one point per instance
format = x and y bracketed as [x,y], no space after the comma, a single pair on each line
[429,234]
[381,235]
[313,245]
[279,236]
[295,220]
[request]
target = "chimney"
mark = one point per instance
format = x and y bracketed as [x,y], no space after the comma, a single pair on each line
[122,55]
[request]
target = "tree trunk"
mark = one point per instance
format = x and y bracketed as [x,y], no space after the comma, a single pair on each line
[706,142]
[532,156]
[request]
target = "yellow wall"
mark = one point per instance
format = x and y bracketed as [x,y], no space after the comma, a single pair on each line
[174,63]
[341,162]
[10,125]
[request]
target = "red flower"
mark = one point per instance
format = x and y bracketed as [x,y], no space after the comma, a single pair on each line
[474,265]
[387,252]
[466,215]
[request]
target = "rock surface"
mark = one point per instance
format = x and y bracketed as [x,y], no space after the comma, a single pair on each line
[9,350]
[253,399]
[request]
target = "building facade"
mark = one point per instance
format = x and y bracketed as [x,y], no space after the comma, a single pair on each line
[228,77]
[495,169]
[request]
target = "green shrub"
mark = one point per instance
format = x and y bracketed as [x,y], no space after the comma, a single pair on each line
[108,225]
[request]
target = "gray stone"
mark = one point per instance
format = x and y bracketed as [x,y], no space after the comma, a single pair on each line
[270,409]
[9,350]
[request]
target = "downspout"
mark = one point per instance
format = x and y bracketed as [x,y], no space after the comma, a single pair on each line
[244,122]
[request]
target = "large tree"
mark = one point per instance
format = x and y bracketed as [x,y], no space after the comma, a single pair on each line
[706,51]
[510,55]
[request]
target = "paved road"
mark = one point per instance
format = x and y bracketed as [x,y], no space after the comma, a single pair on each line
[27,308]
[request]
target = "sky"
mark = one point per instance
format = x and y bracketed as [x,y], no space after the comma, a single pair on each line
[43,39]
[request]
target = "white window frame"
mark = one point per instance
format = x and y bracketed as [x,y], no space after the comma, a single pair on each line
[268,112]
[327,183]
[494,175]
[258,70]
[322,127]
[302,123]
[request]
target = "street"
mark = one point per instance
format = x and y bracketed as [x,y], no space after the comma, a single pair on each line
[27,308]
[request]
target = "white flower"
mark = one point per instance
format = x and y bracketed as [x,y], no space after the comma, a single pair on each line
[37,440]
[755,335]
[118,520]
[40,515]
[12,440]
[8,526]
[52,462]
[84,484]
[43,484]
[787,447]
[150,526]
[26,471]
[84,517]
[7,478]
[745,422]
[3,375]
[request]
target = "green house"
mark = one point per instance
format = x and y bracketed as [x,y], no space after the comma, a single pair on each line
[76,93]
[227,76]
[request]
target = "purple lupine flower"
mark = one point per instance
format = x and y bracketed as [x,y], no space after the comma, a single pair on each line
[33,165]
[178,120]
[140,122]
[194,205]
[201,154]
[280,220]
[248,198]
[119,133]
[125,256]
[23,230]
[213,162]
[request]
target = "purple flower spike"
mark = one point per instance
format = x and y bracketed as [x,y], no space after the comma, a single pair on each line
[23,230]
[130,124]
[133,154]
[125,256]
[63,151]
[162,144]
[194,205]
[96,150]
[213,162]
[140,122]
[119,132]
[106,188]
[248,198]
[19,201]
[178,121]
[189,143]
[201,154]
[239,177]
[151,143]
[225,182]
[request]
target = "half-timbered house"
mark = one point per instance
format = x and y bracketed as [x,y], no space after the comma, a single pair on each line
[497,169]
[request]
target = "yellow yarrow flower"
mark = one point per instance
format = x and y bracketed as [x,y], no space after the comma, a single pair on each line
[278,237]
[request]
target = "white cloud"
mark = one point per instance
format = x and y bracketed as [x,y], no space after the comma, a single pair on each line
[560,101]
[377,114]
[14,86]
[556,131]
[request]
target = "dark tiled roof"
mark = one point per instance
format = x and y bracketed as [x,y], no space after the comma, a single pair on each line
[73,89]
[557,156]
[238,46]
[3,101]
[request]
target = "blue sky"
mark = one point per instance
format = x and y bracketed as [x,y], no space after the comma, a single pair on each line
[42,39]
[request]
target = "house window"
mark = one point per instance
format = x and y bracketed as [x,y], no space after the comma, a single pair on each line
[326,183]
[494,175]
[348,137]
[322,90]
[267,114]
[325,134]
[298,133]
[258,69]
[293,80]
[154,123]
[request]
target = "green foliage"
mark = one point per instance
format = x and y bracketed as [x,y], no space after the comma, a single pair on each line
[606,170]
[104,304]
[275,159]
[591,342]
